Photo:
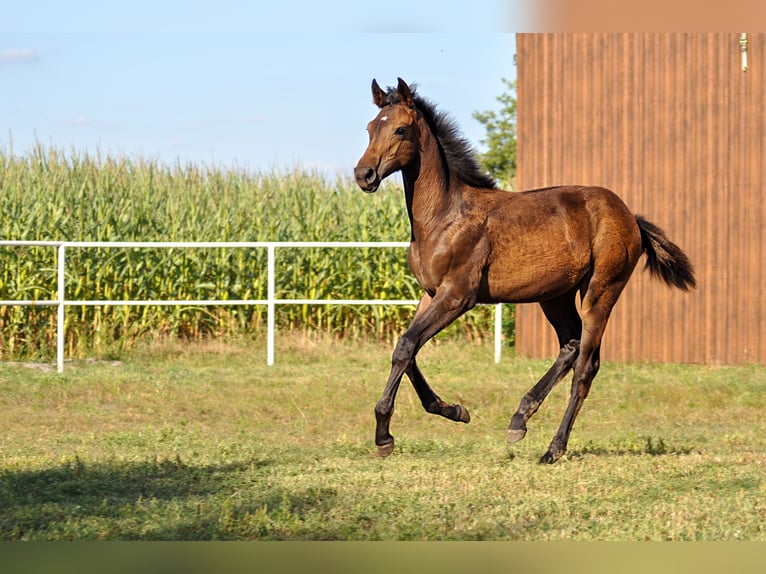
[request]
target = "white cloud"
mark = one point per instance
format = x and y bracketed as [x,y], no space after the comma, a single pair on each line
[18,56]
[78,121]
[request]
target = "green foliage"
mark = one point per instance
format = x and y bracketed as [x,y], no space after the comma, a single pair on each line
[500,157]
[49,195]
[205,442]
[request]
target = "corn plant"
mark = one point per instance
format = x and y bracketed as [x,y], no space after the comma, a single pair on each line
[48,194]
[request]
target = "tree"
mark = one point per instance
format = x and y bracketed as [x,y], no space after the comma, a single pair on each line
[500,157]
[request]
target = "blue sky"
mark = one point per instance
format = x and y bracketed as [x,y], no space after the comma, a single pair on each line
[246,83]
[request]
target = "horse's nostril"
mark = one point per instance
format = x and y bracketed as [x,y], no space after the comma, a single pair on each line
[366,176]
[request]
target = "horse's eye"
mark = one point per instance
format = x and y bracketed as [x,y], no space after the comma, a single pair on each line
[400,131]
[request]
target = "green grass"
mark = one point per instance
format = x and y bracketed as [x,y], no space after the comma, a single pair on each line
[205,442]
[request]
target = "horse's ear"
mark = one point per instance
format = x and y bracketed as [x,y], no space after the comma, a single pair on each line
[404,93]
[378,95]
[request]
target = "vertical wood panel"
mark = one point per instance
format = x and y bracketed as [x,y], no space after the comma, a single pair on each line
[672,124]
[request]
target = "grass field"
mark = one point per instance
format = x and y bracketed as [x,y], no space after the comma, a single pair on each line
[205,442]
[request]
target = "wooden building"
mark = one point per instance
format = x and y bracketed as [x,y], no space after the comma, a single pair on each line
[676,125]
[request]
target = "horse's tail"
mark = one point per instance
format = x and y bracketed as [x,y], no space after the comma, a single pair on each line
[664,259]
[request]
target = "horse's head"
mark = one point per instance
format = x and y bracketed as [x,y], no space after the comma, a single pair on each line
[393,137]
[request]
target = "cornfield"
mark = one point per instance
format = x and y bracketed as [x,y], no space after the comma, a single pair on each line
[51,195]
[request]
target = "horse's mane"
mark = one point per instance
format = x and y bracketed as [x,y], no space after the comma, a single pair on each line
[457,151]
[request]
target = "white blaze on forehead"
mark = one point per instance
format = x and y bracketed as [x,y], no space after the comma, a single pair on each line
[384,118]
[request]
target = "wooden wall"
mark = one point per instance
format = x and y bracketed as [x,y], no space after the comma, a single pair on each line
[674,126]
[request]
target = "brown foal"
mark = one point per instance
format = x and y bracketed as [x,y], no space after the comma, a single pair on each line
[472,243]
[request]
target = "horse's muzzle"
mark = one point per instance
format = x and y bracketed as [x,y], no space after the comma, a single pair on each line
[367,178]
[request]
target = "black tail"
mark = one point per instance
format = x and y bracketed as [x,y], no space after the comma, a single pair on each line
[664,259]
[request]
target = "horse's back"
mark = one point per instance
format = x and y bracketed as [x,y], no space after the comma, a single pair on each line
[601,209]
[579,197]
[600,214]
[547,240]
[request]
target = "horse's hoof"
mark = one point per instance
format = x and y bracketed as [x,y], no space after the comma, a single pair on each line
[463,415]
[385,449]
[515,435]
[549,458]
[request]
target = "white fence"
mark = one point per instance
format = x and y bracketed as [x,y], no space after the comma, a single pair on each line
[271,301]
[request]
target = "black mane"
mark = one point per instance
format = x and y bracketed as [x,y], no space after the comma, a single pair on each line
[457,151]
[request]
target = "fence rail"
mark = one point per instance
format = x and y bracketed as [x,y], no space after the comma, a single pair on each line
[271,300]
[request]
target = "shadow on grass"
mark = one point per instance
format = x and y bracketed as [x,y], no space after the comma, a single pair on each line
[77,481]
[634,446]
[154,500]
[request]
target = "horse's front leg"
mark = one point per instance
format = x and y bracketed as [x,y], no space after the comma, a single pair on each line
[431,402]
[432,316]
[384,408]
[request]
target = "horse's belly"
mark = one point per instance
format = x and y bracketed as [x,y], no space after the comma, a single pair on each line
[536,279]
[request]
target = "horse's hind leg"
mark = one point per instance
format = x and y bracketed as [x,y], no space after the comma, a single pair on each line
[586,368]
[562,314]
[431,401]
[596,308]
[531,401]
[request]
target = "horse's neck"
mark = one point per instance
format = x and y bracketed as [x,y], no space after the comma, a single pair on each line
[429,190]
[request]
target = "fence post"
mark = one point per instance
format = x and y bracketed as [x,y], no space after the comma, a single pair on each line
[60,305]
[270,304]
[498,331]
